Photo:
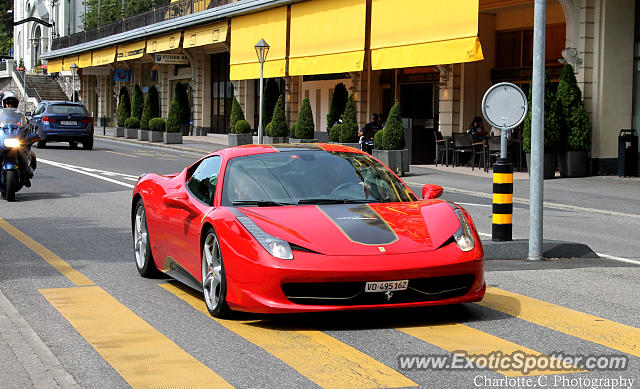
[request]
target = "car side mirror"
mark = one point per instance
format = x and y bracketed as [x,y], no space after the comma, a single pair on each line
[178,200]
[430,191]
[28,114]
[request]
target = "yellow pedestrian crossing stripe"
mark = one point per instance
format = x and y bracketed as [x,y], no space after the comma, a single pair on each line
[455,337]
[581,325]
[319,357]
[143,356]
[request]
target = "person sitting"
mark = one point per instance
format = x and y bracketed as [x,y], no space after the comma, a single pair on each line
[476,127]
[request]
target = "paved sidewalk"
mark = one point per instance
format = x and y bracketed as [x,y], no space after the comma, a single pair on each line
[26,361]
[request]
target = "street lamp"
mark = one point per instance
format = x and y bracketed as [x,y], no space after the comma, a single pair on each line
[74,69]
[262,49]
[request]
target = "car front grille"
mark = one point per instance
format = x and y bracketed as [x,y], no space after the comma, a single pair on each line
[352,293]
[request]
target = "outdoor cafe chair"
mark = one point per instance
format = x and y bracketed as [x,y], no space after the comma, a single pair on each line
[493,151]
[443,149]
[462,145]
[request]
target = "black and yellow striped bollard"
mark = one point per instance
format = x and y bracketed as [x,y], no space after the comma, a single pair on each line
[502,200]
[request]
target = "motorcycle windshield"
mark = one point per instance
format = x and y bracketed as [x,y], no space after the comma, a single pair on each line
[11,116]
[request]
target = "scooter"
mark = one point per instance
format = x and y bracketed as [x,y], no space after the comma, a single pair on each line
[17,160]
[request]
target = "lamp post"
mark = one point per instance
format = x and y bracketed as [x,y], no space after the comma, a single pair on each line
[262,49]
[74,69]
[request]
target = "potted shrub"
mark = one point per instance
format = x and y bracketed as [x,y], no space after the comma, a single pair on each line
[123,112]
[389,143]
[573,161]
[337,105]
[241,133]
[172,132]
[131,128]
[277,130]
[304,129]
[185,110]
[137,103]
[156,129]
[348,129]
[552,137]
[150,110]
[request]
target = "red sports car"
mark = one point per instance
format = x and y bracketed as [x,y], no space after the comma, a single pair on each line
[300,228]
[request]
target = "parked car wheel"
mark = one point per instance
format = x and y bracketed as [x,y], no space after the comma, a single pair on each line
[214,282]
[41,144]
[73,145]
[88,145]
[142,245]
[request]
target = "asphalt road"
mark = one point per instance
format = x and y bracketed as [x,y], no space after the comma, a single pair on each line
[79,213]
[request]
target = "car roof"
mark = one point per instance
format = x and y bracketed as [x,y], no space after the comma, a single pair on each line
[51,102]
[240,151]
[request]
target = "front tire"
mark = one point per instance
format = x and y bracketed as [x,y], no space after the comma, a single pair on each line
[41,144]
[88,145]
[142,244]
[214,281]
[73,145]
[11,183]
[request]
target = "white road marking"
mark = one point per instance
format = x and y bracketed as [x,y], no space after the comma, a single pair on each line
[546,204]
[484,234]
[619,258]
[474,204]
[90,172]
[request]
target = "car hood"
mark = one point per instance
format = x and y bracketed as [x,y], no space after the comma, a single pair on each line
[360,229]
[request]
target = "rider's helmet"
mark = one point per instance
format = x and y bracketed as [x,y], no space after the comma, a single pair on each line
[10,100]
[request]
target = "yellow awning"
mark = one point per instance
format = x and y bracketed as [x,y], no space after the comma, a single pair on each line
[131,51]
[246,31]
[327,37]
[103,57]
[84,60]
[445,32]
[54,65]
[205,35]
[164,43]
[68,61]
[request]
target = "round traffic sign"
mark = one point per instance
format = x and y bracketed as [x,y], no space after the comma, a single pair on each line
[504,106]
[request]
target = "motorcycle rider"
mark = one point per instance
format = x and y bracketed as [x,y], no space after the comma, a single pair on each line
[10,100]
[367,133]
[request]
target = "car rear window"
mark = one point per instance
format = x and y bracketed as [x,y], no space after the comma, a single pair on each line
[66,109]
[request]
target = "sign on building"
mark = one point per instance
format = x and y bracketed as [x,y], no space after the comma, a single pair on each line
[172,59]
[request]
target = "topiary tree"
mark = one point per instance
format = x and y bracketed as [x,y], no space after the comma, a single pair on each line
[157,124]
[183,99]
[576,128]
[269,100]
[377,140]
[337,104]
[151,108]
[242,127]
[132,122]
[137,102]
[174,117]
[349,129]
[393,133]
[304,127]
[123,111]
[552,121]
[278,123]
[236,115]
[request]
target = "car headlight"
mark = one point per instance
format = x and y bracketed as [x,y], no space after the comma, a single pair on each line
[464,235]
[12,142]
[276,247]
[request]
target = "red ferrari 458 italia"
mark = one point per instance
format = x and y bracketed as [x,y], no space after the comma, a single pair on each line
[300,228]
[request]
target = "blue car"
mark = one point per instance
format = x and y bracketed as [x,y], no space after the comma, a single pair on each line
[63,121]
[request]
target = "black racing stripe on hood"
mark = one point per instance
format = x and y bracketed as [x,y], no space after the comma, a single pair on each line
[360,223]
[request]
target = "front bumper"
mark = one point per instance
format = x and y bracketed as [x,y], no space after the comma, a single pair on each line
[440,277]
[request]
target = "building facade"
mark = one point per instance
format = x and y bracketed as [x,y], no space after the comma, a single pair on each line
[438,65]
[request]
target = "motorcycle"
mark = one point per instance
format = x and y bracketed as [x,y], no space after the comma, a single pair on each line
[18,162]
[366,145]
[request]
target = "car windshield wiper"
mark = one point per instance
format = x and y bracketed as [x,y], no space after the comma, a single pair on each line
[258,203]
[337,201]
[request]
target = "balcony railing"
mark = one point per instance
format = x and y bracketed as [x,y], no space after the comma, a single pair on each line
[159,14]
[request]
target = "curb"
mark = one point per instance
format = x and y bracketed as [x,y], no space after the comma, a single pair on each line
[43,368]
[158,144]
[519,249]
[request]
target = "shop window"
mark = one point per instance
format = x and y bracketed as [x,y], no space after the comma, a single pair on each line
[514,49]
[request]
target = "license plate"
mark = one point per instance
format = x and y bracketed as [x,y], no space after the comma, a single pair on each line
[69,123]
[386,286]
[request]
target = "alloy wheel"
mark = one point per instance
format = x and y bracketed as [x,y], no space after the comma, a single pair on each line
[211,271]
[140,237]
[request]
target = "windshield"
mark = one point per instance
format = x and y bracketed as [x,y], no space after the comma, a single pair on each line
[310,177]
[11,116]
[66,109]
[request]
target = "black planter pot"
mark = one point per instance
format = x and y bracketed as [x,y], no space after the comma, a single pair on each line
[549,169]
[573,163]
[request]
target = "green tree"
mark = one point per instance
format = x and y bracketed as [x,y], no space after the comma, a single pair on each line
[269,100]
[137,102]
[151,108]
[393,133]
[337,104]
[6,27]
[111,10]
[349,130]
[236,114]
[304,127]
[552,121]
[576,127]
[176,110]
[123,111]
[278,123]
